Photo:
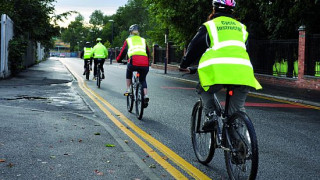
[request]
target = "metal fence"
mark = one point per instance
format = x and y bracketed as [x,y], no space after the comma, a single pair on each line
[175,55]
[312,62]
[6,36]
[159,54]
[274,57]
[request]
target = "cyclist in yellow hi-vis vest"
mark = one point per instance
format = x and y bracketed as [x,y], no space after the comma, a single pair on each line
[220,48]
[138,52]
[86,55]
[100,53]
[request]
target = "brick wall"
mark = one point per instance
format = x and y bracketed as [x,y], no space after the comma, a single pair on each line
[302,82]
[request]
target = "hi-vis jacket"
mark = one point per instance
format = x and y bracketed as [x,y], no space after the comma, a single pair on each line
[136,46]
[100,51]
[137,50]
[87,53]
[226,61]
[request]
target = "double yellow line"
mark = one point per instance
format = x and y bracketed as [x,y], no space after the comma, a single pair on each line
[168,153]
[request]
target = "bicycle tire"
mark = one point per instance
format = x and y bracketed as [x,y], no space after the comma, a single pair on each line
[130,99]
[87,71]
[202,142]
[139,101]
[98,76]
[243,140]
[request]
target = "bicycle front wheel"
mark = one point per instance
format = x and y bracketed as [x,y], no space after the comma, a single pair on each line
[139,101]
[203,142]
[130,99]
[242,159]
[98,76]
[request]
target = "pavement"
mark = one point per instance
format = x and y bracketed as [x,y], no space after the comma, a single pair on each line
[48,131]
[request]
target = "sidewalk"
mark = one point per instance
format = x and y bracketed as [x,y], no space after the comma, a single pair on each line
[304,96]
[47,131]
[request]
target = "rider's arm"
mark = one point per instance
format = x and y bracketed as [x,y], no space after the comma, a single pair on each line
[148,52]
[81,55]
[123,52]
[196,48]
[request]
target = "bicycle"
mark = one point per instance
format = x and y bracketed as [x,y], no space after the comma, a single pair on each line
[234,134]
[98,78]
[136,96]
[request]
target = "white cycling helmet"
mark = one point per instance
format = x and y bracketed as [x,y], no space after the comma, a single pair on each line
[134,27]
[224,3]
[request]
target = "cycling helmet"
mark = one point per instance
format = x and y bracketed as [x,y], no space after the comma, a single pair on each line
[133,27]
[88,43]
[224,3]
[99,39]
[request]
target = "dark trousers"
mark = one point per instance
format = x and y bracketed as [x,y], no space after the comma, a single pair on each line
[143,71]
[101,61]
[85,62]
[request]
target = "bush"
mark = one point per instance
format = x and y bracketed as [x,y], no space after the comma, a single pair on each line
[17,49]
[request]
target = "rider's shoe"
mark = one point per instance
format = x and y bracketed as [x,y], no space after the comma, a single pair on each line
[102,76]
[146,101]
[210,122]
[128,91]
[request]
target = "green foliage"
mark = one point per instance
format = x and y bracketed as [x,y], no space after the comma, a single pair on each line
[31,23]
[107,44]
[17,47]
[274,19]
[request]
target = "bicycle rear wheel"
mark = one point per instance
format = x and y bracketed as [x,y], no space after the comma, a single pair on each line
[203,142]
[243,163]
[87,71]
[130,99]
[139,101]
[98,76]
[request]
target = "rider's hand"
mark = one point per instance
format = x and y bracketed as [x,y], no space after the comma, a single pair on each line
[184,69]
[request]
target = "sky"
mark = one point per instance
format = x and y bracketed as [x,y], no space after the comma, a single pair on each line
[87,7]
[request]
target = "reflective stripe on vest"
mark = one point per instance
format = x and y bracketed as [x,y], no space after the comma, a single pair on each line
[226,61]
[217,45]
[87,53]
[136,46]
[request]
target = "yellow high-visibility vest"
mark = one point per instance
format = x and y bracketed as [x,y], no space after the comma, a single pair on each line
[226,61]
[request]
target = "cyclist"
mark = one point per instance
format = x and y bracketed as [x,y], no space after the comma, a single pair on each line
[86,54]
[138,53]
[100,53]
[219,47]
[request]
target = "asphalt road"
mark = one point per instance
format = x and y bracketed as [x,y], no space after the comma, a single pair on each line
[160,144]
[287,134]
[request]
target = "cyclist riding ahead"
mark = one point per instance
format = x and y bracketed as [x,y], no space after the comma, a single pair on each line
[86,54]
[100,53]
[138,52]
[220,48]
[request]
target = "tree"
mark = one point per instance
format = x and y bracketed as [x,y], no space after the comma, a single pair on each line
[32,22]
[75,34]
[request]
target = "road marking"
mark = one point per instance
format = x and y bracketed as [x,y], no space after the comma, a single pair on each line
[252,94]
[283,101]
[178,88]
[191,170]
[251,104]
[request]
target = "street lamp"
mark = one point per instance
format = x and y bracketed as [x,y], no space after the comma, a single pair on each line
[111,41]
[112,31]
